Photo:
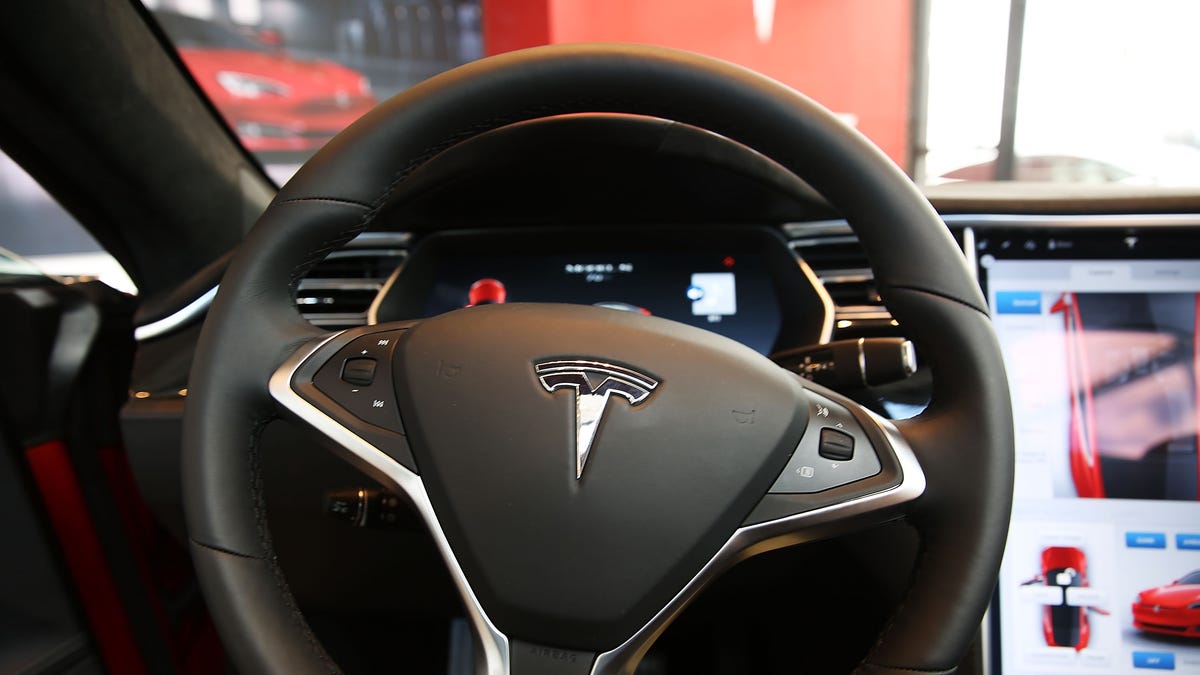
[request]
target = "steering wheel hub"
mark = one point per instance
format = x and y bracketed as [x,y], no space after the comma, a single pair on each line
[584,562]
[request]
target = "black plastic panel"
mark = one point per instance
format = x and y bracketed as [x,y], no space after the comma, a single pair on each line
[808,471]
[889,474]
[372,401]
[531,659]
[368,411]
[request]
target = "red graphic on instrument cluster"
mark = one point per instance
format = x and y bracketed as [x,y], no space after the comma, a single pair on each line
[1173,609]
[487,292]
[1065,624]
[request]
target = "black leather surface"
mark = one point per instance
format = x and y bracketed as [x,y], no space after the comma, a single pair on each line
[964,441]
[260,625]
[251,327]
[601,169]
[872,669]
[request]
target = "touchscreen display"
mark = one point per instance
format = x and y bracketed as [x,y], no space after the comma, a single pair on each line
[1102,569]
[727,294]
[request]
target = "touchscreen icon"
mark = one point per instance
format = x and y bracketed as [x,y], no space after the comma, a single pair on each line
[1064,614]
[713,294]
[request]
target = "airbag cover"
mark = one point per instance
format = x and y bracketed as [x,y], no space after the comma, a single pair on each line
[584,562]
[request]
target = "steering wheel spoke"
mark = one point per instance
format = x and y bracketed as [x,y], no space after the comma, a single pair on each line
[342,385]
[879,477]
[851,465]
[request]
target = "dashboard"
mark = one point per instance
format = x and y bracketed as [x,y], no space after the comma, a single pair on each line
[1098,326]
[1076,558]
[1098,318]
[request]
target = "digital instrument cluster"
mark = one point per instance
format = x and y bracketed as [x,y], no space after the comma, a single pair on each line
[742,283]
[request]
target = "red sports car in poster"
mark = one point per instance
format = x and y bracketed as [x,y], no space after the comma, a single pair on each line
[273,101]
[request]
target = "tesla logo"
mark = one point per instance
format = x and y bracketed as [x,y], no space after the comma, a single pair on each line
[593,383]
[764,19]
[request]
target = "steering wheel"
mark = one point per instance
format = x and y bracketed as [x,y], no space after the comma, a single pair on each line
[585,472]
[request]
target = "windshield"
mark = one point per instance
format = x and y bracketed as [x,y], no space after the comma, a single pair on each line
[191,33]
[1045,91]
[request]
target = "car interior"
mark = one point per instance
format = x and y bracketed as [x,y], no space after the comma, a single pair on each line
[590,357]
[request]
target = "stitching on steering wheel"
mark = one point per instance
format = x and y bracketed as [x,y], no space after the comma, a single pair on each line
[490,124]
[221,549]
[329,245]
[922,557]
[431,151]
[256,485]
[328,200]
[325,248]
[944,296]
[938,671]
[268,548]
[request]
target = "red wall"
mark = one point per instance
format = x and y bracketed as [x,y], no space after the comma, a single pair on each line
[853,56]
[509,25]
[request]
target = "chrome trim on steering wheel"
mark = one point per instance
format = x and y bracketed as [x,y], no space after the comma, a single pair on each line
[492,643]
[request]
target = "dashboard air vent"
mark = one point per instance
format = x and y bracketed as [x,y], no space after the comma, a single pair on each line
[339,290]
[837,258]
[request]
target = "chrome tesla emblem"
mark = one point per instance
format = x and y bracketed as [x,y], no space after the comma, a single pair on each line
[593,382]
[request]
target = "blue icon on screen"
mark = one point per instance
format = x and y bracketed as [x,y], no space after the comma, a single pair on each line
[1018,302]
[1154,660]
[1187,542]
[1145,540]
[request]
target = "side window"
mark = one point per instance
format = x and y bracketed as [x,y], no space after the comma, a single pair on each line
[35,227]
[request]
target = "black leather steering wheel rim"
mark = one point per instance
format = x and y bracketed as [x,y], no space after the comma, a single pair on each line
[963,440]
